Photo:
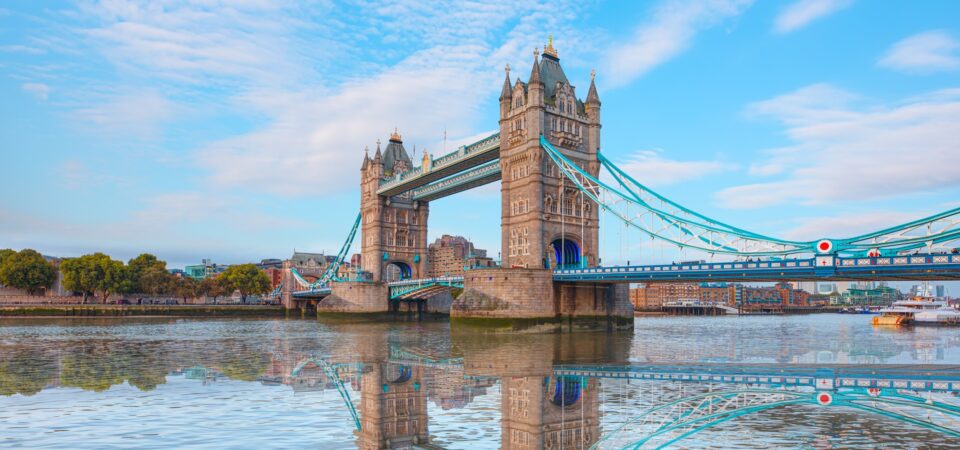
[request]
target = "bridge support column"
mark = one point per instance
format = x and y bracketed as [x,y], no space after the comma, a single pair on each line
[594,300]
[531,294]
[499,293]
[355,297]
[287,283]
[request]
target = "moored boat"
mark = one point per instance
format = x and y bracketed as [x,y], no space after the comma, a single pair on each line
[920,311]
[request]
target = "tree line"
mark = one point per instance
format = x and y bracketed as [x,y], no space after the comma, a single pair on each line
[99,276]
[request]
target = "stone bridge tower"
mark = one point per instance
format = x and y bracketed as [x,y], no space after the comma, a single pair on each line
[545,221]
[393,229]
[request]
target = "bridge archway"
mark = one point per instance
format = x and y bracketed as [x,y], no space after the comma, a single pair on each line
[396,271]
[566,252]
[566,391]
[398,374]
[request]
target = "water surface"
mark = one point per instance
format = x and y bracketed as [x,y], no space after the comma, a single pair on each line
[276,383]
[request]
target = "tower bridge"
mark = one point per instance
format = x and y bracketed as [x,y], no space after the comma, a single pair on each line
[561,403]
[547,158]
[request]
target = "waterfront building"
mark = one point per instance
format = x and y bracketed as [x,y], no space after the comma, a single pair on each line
[206,269]
[720,293]
[451,255]
[880,295]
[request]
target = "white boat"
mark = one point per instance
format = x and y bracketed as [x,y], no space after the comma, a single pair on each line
[918,310]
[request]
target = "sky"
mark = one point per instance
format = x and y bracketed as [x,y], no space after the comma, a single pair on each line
[234,130]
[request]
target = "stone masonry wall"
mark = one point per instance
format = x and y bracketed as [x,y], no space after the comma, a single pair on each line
[506,293]
[594,299]
[355,297]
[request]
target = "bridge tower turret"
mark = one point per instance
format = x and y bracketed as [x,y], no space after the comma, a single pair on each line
[545,221]
[394,229]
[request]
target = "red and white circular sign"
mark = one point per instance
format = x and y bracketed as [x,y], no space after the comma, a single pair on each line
[824,398]
[824,246]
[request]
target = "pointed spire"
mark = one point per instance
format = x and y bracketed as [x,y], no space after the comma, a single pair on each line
[535,71]
[592,96]
[505,92]
[366,158]
[548,49]
[377,156]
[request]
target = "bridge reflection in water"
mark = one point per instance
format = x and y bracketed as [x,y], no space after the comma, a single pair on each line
[644,406]
[547,400]
[423,386]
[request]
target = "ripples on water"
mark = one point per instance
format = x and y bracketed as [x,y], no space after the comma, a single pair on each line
[99,383]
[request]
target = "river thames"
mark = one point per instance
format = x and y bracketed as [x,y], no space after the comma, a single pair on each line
[276,383]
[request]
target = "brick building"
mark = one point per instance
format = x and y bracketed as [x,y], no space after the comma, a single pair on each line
[655,295]
[449,255]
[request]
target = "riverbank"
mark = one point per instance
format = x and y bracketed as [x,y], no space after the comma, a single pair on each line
[141,310]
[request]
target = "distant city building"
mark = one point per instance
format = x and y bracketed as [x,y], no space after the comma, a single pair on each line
[310,263]
[451,255]
[880,295]
[655,295]
[270,263]
[206,269]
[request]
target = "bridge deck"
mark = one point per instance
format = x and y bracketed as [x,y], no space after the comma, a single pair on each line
[464,158]
[918,267]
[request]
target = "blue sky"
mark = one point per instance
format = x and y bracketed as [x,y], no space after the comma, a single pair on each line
[235,130]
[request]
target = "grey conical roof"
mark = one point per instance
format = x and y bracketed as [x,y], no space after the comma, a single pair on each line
[395,152]
[505,92]
[592,96]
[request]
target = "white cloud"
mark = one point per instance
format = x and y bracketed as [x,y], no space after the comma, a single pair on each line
[801,12]
[40,91]
[846,225]
[652,169]
[671,31]
[844,151]
[315,139]
[21,49]
[930,51]
[132,113]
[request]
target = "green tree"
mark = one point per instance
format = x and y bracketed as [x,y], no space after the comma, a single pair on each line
[27,270]
[96,273]
[186,288]
[84,274]
[247,279]
[143,264]
[4,253]
[117,279]
[155,281]
[213,287]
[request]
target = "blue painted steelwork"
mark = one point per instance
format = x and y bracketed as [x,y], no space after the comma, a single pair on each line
[468,179]
[918,267]
[915,378]
[403,288]
[684,228]
[465,157]
[321,287]
[884,390]
[680,419]
[331,372]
